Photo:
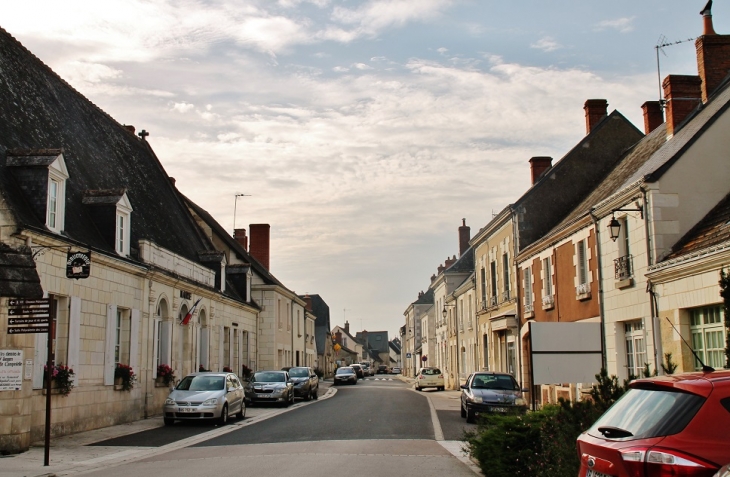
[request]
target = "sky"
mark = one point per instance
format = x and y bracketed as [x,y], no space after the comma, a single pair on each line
[362,131]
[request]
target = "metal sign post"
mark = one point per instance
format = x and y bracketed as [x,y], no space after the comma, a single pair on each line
[36,316]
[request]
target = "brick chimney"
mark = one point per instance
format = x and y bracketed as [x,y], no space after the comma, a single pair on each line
[338,338]
[538,165]
[682,94]
[653,115]
[449,262]
[713,55]
[260,243]
[172,181]
[240,236]
[347,327]
[129,128]
[308,303]
[596,110]
[464,236]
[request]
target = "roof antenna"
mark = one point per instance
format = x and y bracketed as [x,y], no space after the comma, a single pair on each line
[661,43]
[705,368]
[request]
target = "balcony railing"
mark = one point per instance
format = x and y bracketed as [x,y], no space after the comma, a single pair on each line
[548,301]
[623,266]
[583,289]
[506,295]
[492,301]
[529,308]
[469,325]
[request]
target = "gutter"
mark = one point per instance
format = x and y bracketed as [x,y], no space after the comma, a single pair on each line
[601,310]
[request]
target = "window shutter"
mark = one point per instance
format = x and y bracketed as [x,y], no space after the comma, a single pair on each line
[528,286]
[155,345]
[111,317]
[220,347]
[165,345]
[74,335]
[230,346]
[134,341]
[582,278]
[205,347]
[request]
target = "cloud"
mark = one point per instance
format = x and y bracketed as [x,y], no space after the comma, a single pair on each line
[375,16]
[183,107]
[623,25]
[546,44]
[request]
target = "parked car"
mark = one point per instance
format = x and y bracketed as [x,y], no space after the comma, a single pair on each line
[205,396]
[345,375]
[487,392]
[305,381]
[430,378]
[367,370]
[382,369]
[270,387]
[723,472]
[358,370]
[664,425]
[395,370]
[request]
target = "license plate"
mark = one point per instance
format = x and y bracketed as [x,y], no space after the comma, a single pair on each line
[593,473]
[185,409]
[263,396]
[499,409]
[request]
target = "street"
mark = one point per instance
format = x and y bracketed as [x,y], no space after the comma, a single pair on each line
[375,426]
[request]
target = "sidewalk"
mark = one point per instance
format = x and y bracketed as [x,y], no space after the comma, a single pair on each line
[72,454]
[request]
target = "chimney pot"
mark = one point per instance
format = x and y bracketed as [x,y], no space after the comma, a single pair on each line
[682,94]
[538,166]
[653,115]
[464,236]
[129,128]
[260,236]
[240,236]
[596,110]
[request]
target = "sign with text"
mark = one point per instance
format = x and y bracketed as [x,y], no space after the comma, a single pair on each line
[78,265]
[11,369]
[29,316]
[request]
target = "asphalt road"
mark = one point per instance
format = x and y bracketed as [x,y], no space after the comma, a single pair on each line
[375,427]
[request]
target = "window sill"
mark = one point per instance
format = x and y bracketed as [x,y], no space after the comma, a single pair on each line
[549,306]
[621,284]
[583,296]
[528,314]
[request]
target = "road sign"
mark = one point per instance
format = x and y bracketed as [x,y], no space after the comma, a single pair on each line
[29,316]
[23,311]
[28,321]
[21,330]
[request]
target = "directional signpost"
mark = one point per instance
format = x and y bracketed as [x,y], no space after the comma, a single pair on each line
[27,315]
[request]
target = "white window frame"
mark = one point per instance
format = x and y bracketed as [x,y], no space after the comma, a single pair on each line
[635,342]
[707,327]
[548,297]
[122,233]
[57,174]
[529,296]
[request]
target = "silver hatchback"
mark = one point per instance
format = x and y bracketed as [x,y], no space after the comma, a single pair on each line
[205,396]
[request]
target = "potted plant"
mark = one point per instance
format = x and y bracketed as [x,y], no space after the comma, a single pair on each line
[124,377]
[227,369]
[62,378]
[165,375]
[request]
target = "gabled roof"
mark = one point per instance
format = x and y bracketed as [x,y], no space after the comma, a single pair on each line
[425,299]
[712,230]
[370,340]
[465,263]
[321,311]
[40,111]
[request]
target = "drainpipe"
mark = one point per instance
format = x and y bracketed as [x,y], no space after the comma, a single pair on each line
[599,267]
[653,303]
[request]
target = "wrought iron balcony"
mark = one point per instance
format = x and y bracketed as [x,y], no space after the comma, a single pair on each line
[492,301]
[583,289]
[506,295]
[548,301]
[624,267]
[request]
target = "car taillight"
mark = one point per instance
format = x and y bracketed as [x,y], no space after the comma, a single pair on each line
[422,377]
[441,376]
[643,462]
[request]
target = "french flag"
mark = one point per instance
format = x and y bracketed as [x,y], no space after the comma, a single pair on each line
[187,318]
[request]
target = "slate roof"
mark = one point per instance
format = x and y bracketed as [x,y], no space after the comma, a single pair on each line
[381,345]
[565,185]
[18,275]
[321,311]
[465,263]
[712,230]
[630,163]
[40,111]
[426,298]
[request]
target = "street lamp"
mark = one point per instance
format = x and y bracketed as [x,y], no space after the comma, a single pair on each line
[614,226]
[444,313]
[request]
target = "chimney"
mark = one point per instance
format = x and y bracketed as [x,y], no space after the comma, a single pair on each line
[449,262]
[338,338]
[596,110]
[260,243]
[172,181]
[713,55]
[308,303]
[239,236]
[653,115]
[538,165]
[129,128]
[464,236]
[347,327]
[682,94]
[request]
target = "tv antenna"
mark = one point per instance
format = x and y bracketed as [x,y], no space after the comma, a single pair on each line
[235,202]
[662,43]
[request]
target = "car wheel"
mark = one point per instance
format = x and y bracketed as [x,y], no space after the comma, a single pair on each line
[242,413]
[418,388]
[470,417]
[308,396]
[168,421]
[463,412]
[315,395]
[440,388]
[223,420]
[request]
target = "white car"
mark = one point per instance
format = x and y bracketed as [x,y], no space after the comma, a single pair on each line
[430,378]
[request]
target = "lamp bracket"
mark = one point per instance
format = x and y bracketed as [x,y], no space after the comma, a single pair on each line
[639,208]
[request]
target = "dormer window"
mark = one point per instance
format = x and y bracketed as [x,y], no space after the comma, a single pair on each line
[55,205]
[111,210]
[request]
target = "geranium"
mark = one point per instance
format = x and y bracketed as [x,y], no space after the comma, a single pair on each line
[126,374]
[63,377]
[166,373]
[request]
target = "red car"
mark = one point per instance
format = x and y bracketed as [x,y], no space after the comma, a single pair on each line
[675,425]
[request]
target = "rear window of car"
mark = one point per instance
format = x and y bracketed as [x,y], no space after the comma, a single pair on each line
[430,371]
[344,371]
[644,413]
[299,372]
[269,377]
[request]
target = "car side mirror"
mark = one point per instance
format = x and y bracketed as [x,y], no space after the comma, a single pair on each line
[464,386]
